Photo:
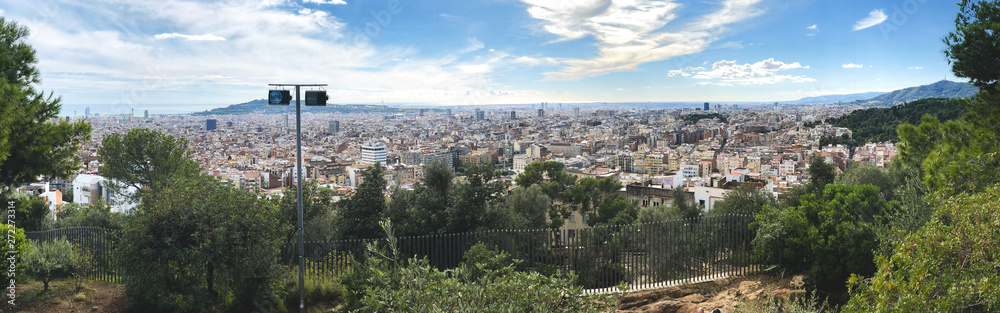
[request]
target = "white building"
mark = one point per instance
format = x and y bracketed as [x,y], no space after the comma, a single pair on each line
[88,189]
[373,151]
[521,161]
[707,196]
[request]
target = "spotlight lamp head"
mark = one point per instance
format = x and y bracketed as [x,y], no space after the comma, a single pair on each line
[316,97]
[279,97]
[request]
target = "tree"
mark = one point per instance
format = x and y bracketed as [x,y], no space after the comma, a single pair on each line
[820,174]
[19,248]
[684,203]
[587,193]
[867,173]
[832,235]
[317,206]
[359,214]
[948,265]
[95,215]
[50,260]
[659,213]
[522,208]
[33,141]
[745,200]
[470,199]
[32,211]
[972,47]
[144,158]
[205,247]
[614,210]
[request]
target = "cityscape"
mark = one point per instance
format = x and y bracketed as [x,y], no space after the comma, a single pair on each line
[500,156]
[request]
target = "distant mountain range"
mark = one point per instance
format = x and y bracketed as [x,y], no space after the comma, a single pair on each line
[941,89]
[260,106]
[837,98]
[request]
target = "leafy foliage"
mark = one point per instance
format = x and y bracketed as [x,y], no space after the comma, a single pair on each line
[486,282]
[614,210]
[359,214]
[144,158]
[20,247]
[32,212]
[50,260]
[949,265]
[95,215]
[745,200]
[33,141]
[972,47]
[831,235]
[197,245]
[694,118]
[879,124]
[956,157]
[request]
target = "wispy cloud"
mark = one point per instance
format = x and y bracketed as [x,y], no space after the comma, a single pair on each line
[915,68]
[729,73]
[874,17]
[852,65]
[205,37]
[629,33]
[325,1]
[813,27]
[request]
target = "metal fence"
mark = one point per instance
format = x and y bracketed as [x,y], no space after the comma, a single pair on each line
[643,255]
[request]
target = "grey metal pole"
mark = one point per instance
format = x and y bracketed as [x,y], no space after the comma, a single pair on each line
[298,153]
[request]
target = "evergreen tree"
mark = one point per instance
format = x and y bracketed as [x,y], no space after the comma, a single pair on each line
[359,214]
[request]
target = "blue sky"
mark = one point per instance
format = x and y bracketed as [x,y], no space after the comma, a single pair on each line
[143,54]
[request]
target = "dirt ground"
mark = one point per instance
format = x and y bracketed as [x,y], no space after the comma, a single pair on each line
[726,294]
[63,298]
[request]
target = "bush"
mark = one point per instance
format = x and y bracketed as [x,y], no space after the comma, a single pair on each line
[197,245]
[384,284]
[808,304]
[50,260]
[952,264]
[832,236]
[321,290]
[20,247]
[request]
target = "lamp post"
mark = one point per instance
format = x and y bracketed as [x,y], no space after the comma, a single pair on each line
[313,98]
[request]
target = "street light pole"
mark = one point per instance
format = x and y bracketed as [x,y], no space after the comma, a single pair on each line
[298,173]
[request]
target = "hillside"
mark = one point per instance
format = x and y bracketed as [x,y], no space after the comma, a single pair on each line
[879,124]
[260,106]
[837,98]
[941,89]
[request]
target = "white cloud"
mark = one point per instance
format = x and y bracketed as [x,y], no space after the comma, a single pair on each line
[325,1]
[630,33]
[915,68]
[265,43]
[874,17]
[852,65]
[205,37]
[472,44]
[813,27]
[536,61]
[728,73]
[620,89]
[1,11]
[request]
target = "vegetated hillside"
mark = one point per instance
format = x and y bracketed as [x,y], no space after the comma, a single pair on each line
[837,98]
[941,89]
[261,106]
[879,124]
[694,118]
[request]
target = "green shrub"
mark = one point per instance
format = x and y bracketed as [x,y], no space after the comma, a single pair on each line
[196,245]
[322,290]
[808,304]
[20,248]
[50,260]
[384,284]
[952,264]
[832,236]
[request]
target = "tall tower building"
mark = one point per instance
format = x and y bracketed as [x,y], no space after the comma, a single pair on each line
[285,116]
[706,106]
[513,115]
[576,112]
[373,151]
[86,111]
[541,112]
[480,115]
[210,124]
[145,114]
[448,111]
[334,127]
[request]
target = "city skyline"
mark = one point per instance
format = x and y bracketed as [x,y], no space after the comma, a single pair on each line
[191,56]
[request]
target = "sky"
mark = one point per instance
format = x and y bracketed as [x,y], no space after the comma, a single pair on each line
[166,55]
